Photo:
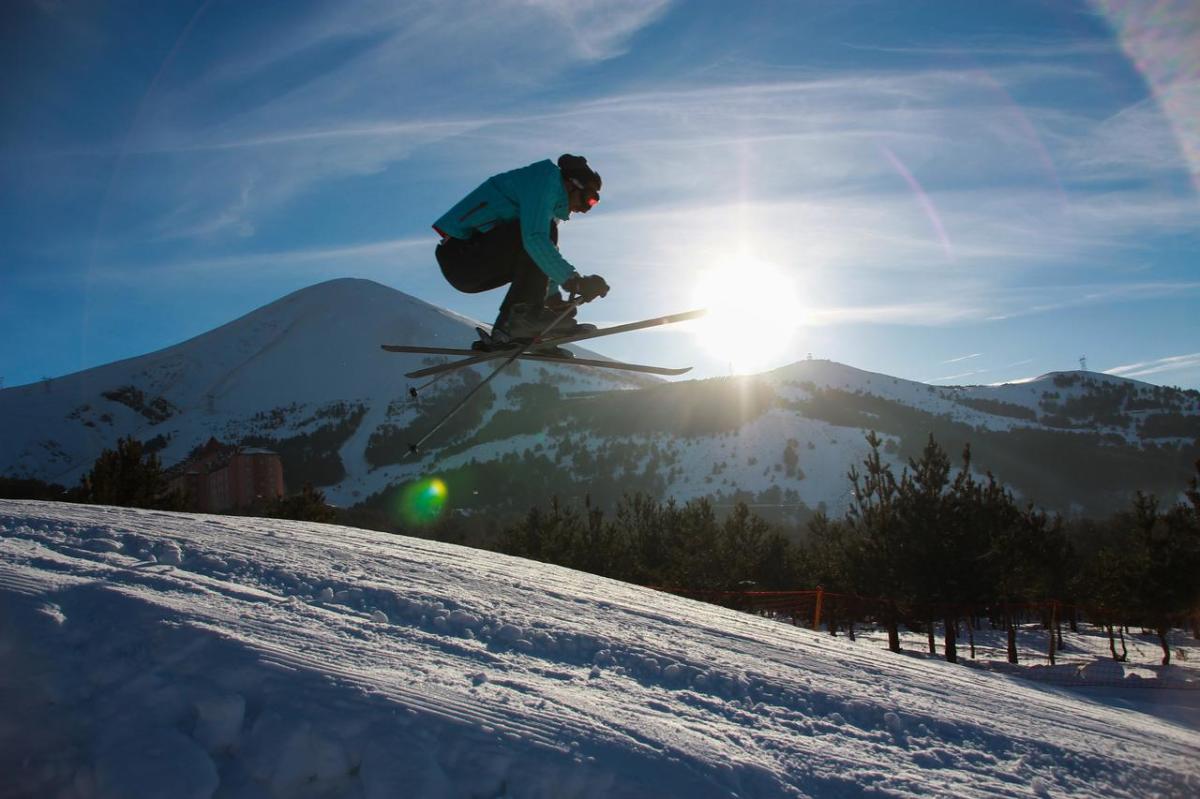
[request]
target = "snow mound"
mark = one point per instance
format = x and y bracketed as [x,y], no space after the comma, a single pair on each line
[157,654]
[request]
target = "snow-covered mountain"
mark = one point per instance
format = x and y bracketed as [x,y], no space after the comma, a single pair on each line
[147,653]
[306,363]
[305,376]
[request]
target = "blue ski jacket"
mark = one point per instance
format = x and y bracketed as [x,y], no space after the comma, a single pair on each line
[534,195]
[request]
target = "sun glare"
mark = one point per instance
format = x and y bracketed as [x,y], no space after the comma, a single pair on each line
[753,314]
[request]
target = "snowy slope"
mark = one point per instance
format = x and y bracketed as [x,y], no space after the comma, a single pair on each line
[157,654]
[291,360]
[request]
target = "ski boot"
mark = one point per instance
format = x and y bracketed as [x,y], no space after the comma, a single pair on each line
[522,323]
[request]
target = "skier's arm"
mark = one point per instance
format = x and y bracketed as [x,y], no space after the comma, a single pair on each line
[537,209]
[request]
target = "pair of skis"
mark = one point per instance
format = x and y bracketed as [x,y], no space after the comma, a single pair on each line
[528,351]
[475,356]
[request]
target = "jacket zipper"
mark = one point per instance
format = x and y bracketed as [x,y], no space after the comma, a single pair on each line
[473,210]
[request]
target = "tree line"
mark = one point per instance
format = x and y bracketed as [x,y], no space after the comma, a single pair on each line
[929,545]
[131,475]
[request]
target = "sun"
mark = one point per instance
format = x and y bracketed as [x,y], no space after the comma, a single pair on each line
[753,313]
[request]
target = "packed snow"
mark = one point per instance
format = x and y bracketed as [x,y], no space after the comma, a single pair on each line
[147,653]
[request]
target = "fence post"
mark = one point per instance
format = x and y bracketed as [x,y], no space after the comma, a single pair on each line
[817,609]
[1053,623]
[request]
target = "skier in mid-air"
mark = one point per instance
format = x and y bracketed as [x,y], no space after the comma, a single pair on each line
[505,232]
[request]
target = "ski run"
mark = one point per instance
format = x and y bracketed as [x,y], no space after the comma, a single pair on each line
[155,654]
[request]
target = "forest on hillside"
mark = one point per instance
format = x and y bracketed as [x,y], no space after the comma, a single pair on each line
[928,546]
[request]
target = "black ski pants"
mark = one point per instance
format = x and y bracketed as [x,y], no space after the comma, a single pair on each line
[493,259]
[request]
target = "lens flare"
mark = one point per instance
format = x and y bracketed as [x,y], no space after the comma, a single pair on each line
[1162,39]
[422,502]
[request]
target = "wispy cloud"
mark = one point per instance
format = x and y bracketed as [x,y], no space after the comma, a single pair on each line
[855,144]
[1047,299]
[1167,365]
[396,254]
[404,76]
[1162,40]
[1007,47]
[958,376]
[964,357]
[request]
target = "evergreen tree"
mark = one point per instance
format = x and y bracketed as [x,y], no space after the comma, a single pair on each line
[874,519]
[599,546]
[778,567]
[129,476]
[929,562]
[307,506]
[694,544]
[743,536]
[831,554]
[1166,562]
[547,536]
[640,524]
[967,584]
[1008,558]
[30,488]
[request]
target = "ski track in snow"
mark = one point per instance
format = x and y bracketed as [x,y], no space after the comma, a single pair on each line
[148,653]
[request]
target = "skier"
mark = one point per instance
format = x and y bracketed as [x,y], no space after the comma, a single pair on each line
[506,232]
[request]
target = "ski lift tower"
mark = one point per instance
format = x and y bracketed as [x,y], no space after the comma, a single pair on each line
[1083,363]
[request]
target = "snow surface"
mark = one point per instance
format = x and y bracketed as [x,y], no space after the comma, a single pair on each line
[146,653]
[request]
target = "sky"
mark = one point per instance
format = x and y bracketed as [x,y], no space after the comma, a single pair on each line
[946,192]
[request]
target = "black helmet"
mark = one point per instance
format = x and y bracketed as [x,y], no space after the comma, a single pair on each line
[575,168]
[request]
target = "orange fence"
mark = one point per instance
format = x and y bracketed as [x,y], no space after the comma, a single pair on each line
[812,608]
[817,605]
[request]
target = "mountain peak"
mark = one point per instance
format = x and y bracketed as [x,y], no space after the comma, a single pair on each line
[1078,376]
[282,370]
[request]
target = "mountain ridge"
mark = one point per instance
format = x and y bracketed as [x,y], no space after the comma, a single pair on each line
[305,375]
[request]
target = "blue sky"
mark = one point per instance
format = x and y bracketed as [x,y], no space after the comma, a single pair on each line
[959,192]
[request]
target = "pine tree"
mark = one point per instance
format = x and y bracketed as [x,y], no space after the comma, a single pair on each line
[307,506]
[641,525]
[742,540]
[873,517]
[930,560]
[599,547]
[1166,560]
[694,546]
[129,476]
[1009,555]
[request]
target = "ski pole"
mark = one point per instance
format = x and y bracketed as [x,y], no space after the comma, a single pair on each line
[572,304]
[413,391]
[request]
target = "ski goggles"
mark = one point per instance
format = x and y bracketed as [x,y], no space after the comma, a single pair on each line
[590,196]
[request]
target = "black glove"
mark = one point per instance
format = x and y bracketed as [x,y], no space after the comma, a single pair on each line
[588,287]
